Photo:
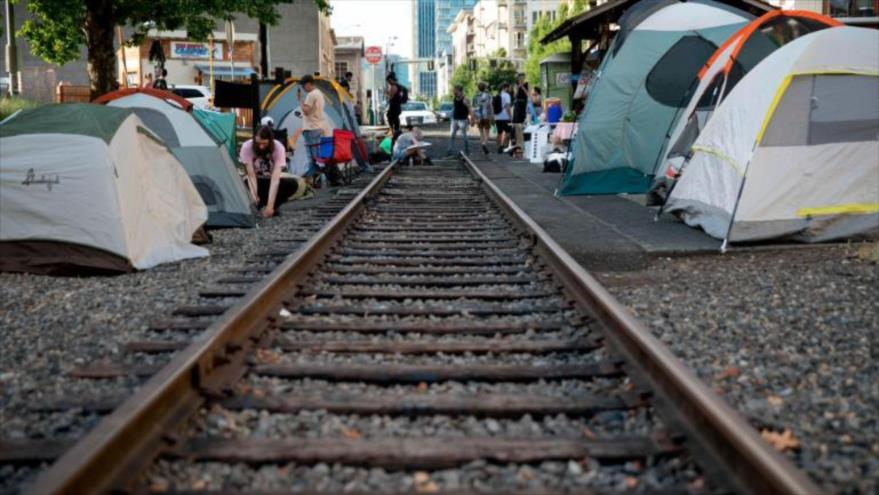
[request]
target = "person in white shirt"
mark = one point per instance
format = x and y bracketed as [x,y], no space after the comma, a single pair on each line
[314,122]
[501,104]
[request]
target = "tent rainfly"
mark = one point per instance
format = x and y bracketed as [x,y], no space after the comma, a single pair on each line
[206,161]
[86,188]
[641,85]
[729,64]
[792,151]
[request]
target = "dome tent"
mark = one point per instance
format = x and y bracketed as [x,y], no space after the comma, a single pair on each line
[641,85]
[792,151]
[280,103]
[86,188]
[206,161]
[726,67]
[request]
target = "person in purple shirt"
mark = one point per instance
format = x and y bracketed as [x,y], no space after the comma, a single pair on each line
[265,159]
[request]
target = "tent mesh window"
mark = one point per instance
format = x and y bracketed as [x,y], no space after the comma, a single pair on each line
[771,36]
[824,109]
[159,124]
[671,79]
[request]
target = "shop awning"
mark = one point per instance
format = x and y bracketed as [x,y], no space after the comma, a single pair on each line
[224,69]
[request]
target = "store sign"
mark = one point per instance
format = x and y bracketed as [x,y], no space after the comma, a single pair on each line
[562,78]
[186,49]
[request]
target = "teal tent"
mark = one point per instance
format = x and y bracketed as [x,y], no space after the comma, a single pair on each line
[642,84]
[221,127]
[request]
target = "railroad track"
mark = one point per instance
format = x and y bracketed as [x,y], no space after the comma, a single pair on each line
[434,329]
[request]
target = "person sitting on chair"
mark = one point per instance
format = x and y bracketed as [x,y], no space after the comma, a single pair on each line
[264,158]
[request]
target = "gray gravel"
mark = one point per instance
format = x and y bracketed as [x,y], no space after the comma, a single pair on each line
[789,337]
[479,476]
[53,325]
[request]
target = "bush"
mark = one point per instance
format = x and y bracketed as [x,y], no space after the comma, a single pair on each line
[8,106]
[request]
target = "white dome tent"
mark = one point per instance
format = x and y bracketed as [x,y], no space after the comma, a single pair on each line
[793,151]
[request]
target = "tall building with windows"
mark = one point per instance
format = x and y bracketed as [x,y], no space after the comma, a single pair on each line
[446,10]
[424,38]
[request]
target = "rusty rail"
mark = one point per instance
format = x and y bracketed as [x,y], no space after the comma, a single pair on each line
[737,455]
[129,438]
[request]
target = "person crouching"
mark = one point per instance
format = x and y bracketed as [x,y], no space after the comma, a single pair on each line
[264,159]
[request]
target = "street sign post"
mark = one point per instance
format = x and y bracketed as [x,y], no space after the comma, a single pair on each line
[373,54]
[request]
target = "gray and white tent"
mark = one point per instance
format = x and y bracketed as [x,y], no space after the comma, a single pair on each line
[86,188]
[793,151]
[205,160]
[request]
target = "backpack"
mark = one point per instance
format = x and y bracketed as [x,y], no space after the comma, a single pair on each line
[404,93]
[556,162]
[497,104]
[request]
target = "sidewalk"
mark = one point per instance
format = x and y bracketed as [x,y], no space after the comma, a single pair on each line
[603,233]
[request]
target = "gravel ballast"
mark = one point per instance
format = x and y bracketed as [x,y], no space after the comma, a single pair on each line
[788,337]
[54,325]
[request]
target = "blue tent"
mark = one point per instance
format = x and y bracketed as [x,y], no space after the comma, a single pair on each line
[642,83]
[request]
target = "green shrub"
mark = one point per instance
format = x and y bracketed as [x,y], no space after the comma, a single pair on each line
[8,106]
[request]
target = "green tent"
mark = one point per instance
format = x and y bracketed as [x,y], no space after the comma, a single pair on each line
[221,127]
[642,83]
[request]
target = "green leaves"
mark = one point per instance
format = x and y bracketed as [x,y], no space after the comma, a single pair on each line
[537,51]
[56,31]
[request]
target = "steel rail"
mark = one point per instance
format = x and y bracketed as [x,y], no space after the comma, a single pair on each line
[128,439]
[735,455]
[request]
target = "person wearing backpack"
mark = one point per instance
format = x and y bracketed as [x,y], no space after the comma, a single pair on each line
[484,114]
[397,95]
[501,106]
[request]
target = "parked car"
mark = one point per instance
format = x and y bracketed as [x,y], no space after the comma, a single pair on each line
[200,96]
[417,113]
[444,113]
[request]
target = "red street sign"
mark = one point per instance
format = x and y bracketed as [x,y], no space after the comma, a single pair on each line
[373,54]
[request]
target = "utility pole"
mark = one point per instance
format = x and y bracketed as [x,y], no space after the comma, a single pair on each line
[12,52]
[264,54]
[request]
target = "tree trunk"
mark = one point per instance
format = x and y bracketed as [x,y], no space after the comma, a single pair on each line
[100,23]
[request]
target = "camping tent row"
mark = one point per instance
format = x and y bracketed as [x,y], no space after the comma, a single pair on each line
[206,160]
[669,66]
[660,83]
[89,187]
[280,102]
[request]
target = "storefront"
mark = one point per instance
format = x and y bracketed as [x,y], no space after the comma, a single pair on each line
[191,62]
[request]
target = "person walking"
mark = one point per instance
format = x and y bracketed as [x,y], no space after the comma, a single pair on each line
[501,106]
[460,119]
[395,105]
[314,122]
[483,115]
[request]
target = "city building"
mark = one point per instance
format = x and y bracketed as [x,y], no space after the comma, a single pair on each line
[301,25]
[535,9]
[446,12]
[349,58]
[190,62]
[424,41]
[302,41]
